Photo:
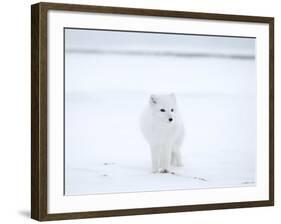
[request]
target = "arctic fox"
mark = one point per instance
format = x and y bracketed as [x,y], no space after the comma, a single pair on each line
[163,129]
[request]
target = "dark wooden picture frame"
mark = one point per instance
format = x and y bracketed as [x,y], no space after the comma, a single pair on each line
[39,108]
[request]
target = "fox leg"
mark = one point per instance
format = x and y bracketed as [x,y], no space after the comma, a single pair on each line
[173,159]
[176,158]
[165,159]
[155,158]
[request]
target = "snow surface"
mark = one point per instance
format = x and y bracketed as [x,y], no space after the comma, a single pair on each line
[105,95]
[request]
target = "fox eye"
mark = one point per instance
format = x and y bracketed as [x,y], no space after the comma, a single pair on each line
[172,110]
[162,110]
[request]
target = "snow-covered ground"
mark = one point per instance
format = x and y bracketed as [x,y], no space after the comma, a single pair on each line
[105,94]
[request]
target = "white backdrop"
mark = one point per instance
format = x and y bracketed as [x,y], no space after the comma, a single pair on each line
[15,112]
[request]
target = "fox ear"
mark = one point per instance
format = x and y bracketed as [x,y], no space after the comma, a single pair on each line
[153,99]
[173,96]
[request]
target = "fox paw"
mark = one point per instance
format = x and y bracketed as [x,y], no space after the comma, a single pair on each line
[164,171]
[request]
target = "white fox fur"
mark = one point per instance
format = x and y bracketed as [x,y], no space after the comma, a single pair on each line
[163,129]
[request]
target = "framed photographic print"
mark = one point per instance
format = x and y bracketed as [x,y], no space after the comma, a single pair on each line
[141,111]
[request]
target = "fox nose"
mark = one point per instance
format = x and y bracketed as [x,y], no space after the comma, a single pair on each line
[170,119]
